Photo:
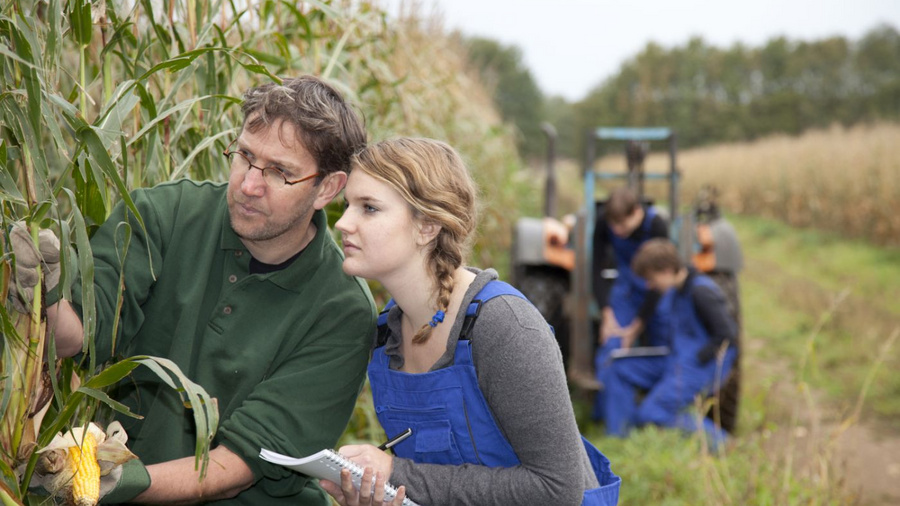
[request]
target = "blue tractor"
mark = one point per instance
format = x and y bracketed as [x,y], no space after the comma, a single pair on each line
[553,259]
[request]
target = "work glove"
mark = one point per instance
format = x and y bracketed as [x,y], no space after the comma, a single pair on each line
[124,482]
[25,276]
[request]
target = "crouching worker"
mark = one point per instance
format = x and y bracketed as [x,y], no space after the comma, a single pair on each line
[461,358]
[703,335]
[633,314]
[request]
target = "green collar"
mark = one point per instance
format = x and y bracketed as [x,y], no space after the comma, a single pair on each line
[294,276]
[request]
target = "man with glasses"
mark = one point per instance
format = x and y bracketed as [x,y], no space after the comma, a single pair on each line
[241,285]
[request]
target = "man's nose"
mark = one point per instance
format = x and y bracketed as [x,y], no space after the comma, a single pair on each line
[254,183]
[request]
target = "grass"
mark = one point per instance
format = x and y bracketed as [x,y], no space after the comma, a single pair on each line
[664,468]
[794,275]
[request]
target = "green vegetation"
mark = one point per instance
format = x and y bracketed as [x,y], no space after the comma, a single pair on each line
[513,88]
[793,276]
[708,94]
[663,467]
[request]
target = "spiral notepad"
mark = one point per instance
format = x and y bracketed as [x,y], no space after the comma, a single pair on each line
[327,465]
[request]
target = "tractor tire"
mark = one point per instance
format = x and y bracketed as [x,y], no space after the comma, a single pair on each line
[728,397]
[547,290]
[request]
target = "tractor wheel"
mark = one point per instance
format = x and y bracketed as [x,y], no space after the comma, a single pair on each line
[547,290]
[728,282]
[728,397]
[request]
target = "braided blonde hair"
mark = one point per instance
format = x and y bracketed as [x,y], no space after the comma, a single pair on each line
[432,178]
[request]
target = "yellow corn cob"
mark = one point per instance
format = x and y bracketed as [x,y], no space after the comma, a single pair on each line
[86,481]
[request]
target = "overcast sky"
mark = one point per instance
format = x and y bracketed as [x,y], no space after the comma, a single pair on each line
[571,46]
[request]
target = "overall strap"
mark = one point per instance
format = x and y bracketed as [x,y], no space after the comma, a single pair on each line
[493,289]
[382,329]
[649,213]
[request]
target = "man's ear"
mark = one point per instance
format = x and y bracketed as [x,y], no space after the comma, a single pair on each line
[330,186]
[427,232]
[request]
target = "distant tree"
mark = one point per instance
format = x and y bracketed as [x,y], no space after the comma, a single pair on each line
[708,94]
[515,91]
[561,114]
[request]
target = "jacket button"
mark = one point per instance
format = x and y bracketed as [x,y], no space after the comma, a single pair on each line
[232,278]
[227,310]
[238,253]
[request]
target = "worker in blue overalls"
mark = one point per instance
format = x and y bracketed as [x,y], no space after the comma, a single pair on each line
[632,314]
[703,336]
[461,358]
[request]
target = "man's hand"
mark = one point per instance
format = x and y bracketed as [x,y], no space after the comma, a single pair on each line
[28,257]
[610,326]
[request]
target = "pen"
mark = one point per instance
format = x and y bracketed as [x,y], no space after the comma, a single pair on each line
[396,439]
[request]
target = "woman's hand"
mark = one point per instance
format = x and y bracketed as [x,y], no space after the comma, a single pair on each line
[369,456]
[377,466]
[369,493]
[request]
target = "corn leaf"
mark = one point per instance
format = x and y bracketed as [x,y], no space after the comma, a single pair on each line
[204,407]
[105,399]
[203,146]
[80,21]
[86,269]
[111,374]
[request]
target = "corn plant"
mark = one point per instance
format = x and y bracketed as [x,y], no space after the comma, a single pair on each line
[95,100]
[99,98]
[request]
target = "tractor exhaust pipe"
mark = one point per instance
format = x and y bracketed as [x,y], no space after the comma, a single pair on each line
[550,185]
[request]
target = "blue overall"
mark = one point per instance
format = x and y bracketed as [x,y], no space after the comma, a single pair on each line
[625,299]
[684,376]
[451,421]
[629,291]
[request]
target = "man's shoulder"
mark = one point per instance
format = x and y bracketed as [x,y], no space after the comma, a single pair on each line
[185,188]
[171,196]
[180,203]
[705,290]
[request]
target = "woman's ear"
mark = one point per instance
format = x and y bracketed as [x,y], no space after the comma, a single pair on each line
[427,232]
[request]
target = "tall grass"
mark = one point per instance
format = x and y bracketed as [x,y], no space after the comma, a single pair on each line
[845,180]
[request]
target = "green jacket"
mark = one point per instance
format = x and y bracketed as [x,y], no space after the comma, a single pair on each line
[284,353]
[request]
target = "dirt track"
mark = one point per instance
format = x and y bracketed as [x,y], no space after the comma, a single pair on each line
[864,457]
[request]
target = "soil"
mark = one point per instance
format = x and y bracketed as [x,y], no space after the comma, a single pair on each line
[871,460]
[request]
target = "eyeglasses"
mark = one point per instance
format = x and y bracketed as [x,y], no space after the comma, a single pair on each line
[273,176]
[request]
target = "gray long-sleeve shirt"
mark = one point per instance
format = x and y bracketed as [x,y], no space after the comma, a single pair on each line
[520,373]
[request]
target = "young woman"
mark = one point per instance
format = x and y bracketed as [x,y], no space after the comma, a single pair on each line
[461,358]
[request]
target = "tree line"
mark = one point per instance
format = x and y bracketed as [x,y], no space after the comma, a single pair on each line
[709,94]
